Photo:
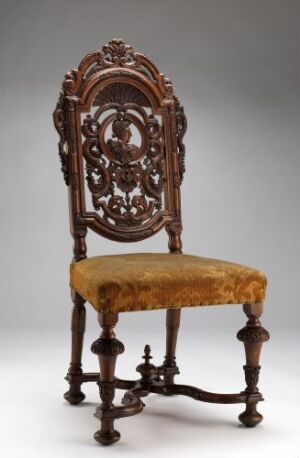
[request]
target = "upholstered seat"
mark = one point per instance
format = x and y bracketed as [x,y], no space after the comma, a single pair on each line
[145,281]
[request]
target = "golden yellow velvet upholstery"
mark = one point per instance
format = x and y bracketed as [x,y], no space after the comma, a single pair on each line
[146,281]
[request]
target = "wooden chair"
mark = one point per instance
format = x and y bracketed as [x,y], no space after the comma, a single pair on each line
[134,191]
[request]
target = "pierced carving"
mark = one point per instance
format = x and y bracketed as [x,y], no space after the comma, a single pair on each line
[126,179]
[123,142]
[59,118]
[107,347]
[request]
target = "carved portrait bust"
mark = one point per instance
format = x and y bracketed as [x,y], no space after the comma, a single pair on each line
[124,151]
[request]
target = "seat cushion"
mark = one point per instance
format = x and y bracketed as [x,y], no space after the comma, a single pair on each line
[146,281]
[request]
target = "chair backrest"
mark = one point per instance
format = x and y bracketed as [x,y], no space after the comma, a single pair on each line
[121,130]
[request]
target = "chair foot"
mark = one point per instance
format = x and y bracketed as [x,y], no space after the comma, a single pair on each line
[107,438]
[250,417]
[74,397]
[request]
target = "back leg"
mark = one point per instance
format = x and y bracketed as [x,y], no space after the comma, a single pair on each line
[172,326]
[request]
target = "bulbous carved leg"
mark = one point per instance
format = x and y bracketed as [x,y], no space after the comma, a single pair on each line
[253,335]
[74,395]
[107,347]
[169,364]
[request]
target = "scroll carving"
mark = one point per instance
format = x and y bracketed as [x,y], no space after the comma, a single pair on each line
[114,53]
[126,179]
[181,129]
[59,118]
[120,101]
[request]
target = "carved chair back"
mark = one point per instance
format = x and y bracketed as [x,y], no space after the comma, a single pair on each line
[121,130]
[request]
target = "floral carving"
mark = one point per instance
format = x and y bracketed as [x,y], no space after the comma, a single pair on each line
[118,52]
[115,53]
[126,180]
[128,177]
[125,142]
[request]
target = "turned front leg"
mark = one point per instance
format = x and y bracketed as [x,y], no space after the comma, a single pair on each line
[107,347]
[74,395]
[252,335]
[172,326]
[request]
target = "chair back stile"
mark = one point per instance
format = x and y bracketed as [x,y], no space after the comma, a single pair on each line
[121,131]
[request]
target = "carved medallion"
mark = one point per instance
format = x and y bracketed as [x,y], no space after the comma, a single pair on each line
[118,147]
[125,176]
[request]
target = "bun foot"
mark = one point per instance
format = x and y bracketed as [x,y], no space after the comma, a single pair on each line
[107,438]
[250,417]
[74,397]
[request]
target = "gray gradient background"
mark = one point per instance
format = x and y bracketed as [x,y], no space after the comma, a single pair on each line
[234,65]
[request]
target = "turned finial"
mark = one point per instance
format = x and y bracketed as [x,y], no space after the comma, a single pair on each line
[147,354]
